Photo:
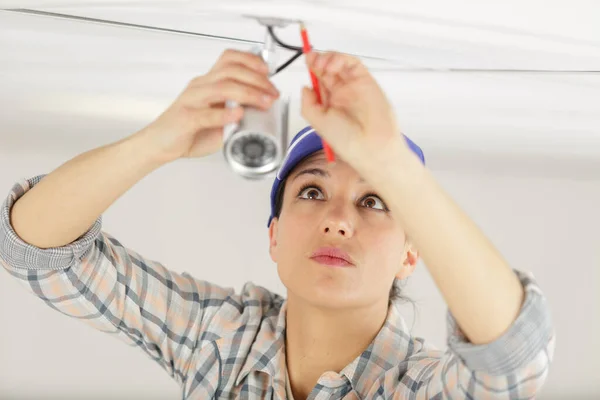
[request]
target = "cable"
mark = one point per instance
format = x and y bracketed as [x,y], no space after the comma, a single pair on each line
[288,62]
[279,42]
[298,50]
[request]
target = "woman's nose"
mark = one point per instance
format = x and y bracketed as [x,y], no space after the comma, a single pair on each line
[338,223]
[340,230]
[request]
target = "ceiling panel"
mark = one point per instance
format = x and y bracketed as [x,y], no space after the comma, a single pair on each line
[59,70]
[432,34]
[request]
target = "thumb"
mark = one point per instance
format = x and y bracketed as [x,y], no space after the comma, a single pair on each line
[311,109]
[332,124]
[310,58]
[206,142]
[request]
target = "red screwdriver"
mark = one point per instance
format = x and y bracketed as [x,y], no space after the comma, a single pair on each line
[306,48]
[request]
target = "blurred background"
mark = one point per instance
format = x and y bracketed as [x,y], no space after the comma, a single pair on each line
[503,97]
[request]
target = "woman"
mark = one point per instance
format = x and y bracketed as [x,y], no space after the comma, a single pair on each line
[341,234]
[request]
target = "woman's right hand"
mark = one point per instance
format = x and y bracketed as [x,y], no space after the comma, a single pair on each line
[193,125]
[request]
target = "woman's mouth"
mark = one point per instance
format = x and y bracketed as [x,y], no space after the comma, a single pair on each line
[333,257]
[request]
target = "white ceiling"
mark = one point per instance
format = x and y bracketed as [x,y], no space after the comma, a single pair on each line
[431,34]
[481,81]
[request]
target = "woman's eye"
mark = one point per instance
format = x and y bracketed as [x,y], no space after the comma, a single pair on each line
[312,193]
[373,202]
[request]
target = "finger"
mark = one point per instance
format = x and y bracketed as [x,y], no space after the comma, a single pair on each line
[310,58]
[353,71]
[246,75]
[325,97]
[341,62]
[331,123]
[240,93]
[325,93]
[219,104]
[219,92]
[217,118]
[206,141]
[311,109]
[347,97]
[328,83]
[348,73]
[351,99]
[343,65]
[251,60]
[319,62]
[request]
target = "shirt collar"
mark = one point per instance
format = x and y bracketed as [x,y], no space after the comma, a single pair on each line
[390,347]
[267,354]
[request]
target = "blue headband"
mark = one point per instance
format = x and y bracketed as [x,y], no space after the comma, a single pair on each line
[305,143]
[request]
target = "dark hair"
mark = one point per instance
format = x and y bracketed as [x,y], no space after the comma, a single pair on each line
[395,290]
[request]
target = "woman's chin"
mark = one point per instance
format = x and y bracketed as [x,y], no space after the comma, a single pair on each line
[321,287]
[330,296]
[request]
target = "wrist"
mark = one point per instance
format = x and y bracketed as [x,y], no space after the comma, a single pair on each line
[405,170]
[146,145]
[395,164]
[141,146]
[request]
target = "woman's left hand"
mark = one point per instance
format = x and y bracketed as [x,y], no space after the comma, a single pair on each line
[356,118]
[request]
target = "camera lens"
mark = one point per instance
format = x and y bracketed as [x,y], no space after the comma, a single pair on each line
[253,150]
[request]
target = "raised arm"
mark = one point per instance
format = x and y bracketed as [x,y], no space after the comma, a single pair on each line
[501,337]
[51,236]
[66,202]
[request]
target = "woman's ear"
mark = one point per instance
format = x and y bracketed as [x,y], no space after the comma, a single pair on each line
[411,257]
[273,239]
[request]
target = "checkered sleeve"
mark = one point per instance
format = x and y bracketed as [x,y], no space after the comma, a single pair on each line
[514,366]
[100,282]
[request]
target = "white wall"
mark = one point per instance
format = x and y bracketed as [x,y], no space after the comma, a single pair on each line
[546,225]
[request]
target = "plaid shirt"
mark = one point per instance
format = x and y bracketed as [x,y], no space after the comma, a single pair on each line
[217,344]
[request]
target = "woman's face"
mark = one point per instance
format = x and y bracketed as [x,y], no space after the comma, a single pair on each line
[328,207]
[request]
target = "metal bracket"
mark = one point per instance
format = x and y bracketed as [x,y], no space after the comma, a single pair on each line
[272,21]
[268,50]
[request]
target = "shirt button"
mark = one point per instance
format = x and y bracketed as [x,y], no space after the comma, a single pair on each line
[331,379]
